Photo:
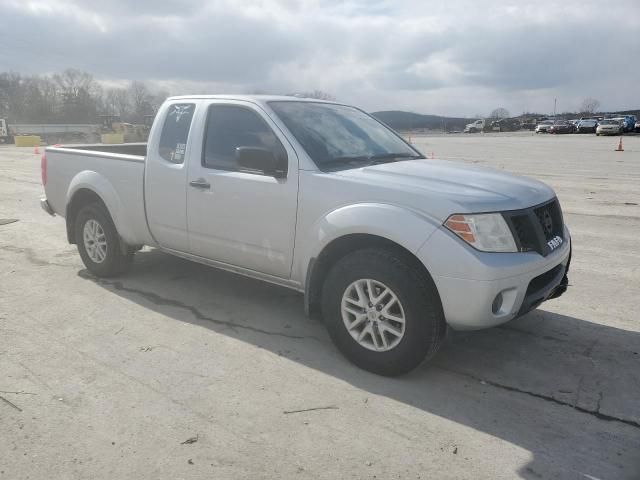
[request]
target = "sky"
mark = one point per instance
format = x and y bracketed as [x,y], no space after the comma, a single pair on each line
[456,58]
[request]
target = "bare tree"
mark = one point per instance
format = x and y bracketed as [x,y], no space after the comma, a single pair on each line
[78,94]
[74,83]
[499,113]
[157,99]
[589,105]
[49,99]
[12,96]
[140,98]
[40,99]
[117,102]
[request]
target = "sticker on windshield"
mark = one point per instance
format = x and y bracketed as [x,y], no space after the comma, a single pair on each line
[178,154]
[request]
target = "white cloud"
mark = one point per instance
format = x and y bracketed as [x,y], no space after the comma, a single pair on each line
[457,58]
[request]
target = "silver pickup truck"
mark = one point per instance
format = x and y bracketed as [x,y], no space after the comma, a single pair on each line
[388,247]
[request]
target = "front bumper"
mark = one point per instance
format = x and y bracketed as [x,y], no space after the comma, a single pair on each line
[480,290]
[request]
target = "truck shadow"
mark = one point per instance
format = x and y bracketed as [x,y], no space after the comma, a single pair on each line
[562,388]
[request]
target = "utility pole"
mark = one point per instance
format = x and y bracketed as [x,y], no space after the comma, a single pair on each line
[555,101]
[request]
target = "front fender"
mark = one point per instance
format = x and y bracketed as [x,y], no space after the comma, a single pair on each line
[406,227]
[97,183]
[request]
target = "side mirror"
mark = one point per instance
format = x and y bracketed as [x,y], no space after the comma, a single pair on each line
[262,160]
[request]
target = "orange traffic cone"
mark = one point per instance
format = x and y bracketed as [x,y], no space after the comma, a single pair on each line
[619,149]
[36,151]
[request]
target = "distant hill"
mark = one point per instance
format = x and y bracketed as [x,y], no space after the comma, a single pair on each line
[400,120]
[629,112]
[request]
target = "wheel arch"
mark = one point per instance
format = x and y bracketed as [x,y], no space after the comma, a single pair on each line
[320,265]
[80,198]
[352,227]
[91,187]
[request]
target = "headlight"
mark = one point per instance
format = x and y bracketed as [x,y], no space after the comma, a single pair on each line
[485,231]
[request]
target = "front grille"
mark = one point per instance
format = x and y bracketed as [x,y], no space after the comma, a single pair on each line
[534,227]
[550,219]
[524,233]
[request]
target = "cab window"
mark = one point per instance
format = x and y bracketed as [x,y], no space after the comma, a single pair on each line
[230,127]
[175,132]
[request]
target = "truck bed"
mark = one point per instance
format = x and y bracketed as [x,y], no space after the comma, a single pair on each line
[114,172]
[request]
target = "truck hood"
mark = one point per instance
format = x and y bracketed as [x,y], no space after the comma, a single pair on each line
[440,188]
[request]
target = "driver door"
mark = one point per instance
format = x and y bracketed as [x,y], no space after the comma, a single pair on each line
[242,217]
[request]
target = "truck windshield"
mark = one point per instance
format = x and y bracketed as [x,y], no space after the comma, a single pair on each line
[338,136]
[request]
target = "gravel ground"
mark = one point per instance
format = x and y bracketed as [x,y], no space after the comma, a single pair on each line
[181,371]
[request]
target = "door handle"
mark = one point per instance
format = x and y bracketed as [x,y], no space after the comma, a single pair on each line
[200,183]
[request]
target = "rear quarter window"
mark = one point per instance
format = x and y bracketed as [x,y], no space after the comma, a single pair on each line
[175,132]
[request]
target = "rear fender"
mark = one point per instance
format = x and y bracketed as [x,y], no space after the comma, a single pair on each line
[97,183]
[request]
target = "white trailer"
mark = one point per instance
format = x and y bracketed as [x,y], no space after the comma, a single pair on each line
[4,131]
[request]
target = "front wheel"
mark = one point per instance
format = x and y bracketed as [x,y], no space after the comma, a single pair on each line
[382,312]
[99,244]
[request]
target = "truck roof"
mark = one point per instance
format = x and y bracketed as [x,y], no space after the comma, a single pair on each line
[259,99]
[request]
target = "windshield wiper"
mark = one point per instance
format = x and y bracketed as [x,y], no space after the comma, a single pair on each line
[394,157]
[339,161]
[369,159]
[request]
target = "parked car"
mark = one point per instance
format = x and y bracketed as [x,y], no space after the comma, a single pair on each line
[323,199]
[562,127]
[543,127]
[629,122]
[637,127]
[506,125]
[587,126]
[475,127]
[610,126]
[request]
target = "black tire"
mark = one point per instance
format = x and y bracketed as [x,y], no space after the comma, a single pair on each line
[425,327]
[116,261]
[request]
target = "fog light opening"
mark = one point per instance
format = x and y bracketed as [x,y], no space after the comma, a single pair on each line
[497,304]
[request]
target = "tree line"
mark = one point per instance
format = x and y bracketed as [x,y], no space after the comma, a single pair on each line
[73,96]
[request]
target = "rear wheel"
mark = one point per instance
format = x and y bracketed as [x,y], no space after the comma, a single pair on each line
[383,314]
[100,247]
